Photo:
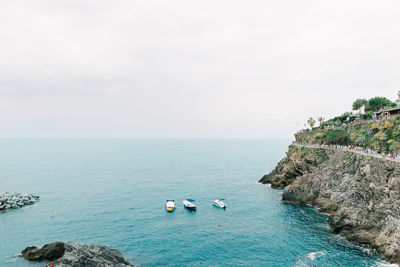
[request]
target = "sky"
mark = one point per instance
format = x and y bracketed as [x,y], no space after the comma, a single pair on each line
[190,69]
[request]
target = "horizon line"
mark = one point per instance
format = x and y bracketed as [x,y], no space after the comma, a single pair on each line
[91,137]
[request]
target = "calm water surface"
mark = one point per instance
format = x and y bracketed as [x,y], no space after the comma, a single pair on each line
[113,191]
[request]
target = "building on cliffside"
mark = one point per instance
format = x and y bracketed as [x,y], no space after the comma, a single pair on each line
[388,113]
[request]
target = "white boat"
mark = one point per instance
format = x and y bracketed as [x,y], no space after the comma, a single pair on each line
[170,205]
[188,203]
[219,203]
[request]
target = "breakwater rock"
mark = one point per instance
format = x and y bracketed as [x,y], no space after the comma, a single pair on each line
[16,200]
[361,193]
[76,255]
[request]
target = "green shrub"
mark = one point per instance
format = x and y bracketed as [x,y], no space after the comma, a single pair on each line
[394,147]
[352,118]
[377,103]
[336,137]
[368,115]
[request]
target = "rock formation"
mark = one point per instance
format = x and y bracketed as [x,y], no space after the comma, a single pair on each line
[361,193]
[16,200]
[51,251]
[75,255]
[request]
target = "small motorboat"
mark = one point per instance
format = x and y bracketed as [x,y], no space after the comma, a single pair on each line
[188,203]
[170,205]
[219,203]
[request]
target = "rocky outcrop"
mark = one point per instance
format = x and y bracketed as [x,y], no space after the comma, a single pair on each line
[361,193]
[16,200]
[76,255]
[295,164]
[50,251]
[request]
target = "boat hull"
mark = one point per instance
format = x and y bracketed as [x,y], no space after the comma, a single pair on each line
[170,209]
[189,205]
[219,204]
[170,206]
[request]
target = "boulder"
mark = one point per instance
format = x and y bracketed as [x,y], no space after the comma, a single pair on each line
[75,255]
[50,251]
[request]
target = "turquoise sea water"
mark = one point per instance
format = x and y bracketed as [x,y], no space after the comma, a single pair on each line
[113,192]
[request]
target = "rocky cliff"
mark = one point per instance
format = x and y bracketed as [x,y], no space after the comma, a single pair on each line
[361,193]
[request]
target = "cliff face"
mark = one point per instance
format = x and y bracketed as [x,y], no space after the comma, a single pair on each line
[361,193]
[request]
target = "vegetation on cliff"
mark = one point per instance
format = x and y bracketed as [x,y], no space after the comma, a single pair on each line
[360,129]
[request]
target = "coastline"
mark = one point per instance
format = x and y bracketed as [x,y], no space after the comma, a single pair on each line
[359,193]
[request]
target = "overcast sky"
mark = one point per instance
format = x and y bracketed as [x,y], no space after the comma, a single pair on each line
[181,68]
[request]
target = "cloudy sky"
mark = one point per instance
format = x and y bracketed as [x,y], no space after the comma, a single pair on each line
[182,68]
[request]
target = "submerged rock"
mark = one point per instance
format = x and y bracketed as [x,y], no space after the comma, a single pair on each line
[361,193]
[16,200]
[76,255]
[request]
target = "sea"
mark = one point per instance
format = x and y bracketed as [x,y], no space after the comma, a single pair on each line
[113,192]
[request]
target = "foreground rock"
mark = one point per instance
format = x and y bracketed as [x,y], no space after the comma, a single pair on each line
[51,251]
[361,193]
[16,200]
[74,254]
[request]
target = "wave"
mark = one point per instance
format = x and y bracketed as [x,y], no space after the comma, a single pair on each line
[308,260]
[313,255]
[386,264]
